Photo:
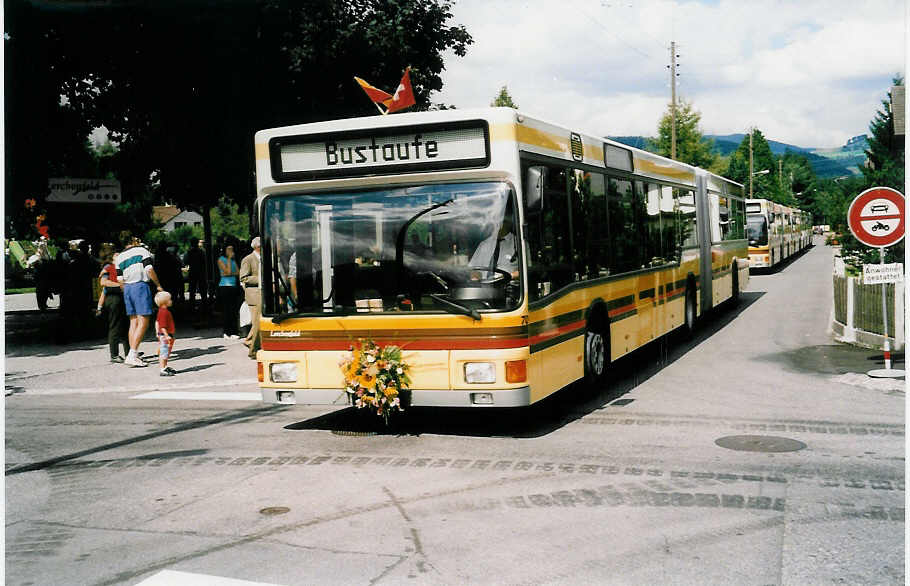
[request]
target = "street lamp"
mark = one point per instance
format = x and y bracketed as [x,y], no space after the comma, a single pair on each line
[751,175]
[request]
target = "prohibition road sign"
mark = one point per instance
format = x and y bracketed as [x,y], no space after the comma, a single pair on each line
[876,217]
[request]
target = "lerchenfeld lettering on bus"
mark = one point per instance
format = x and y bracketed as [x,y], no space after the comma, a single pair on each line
[373,152]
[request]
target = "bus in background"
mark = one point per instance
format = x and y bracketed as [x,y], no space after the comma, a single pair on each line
[507,256]
[775,231]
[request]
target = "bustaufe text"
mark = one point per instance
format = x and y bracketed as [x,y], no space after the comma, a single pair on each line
[375,153]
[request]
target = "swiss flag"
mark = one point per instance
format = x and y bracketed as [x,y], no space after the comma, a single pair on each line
[404,95]
[375,94]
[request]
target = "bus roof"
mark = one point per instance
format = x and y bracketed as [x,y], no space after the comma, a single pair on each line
[508,127]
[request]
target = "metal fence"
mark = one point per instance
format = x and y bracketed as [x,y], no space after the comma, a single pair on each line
[858,311]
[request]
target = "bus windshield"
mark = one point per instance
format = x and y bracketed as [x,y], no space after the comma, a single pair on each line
[432,248]
[757,230]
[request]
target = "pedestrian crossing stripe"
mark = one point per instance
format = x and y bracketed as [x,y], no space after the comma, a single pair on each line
[199,396]
[175,578]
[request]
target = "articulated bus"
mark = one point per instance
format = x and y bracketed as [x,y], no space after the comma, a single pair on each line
[775,231]
[506,256]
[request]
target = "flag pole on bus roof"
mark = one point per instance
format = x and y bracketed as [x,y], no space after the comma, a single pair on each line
[403,97]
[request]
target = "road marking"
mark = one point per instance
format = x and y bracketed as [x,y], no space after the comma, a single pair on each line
[199,396]
[139,387]
[171,577]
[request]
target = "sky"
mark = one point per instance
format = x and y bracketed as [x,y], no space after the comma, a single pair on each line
[811,73]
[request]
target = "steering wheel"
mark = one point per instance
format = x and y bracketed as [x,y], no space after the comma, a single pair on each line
[500,277]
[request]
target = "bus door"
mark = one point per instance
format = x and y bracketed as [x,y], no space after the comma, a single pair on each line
[704,241]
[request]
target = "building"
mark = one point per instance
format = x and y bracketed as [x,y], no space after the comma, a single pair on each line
[171,217]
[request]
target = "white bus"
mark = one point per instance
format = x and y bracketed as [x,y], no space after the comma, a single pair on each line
[776,232]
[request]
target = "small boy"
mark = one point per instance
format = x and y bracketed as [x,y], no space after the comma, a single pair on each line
[164,329]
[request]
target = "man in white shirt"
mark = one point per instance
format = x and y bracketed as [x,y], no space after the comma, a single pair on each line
[498,251]
[134,270]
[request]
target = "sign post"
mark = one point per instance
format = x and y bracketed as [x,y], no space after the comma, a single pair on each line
[876,218]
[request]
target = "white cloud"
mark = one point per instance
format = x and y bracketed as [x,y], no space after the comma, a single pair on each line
[808,73]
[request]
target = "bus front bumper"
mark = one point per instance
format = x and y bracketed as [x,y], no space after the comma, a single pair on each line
[519,397]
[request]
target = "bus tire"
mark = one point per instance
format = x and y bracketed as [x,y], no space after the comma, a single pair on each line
[597,349]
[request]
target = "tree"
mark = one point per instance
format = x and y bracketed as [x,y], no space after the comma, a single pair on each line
[763,185]
[885,157]
[191,82]
[504,99]
[885,168]
[691,146]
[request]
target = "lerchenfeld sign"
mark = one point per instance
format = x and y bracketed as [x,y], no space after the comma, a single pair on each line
[380,151]
[70,190]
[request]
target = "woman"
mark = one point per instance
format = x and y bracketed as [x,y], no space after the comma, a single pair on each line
[111,301]
[229,292]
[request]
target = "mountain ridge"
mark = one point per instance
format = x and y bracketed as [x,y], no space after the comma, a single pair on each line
[826,162]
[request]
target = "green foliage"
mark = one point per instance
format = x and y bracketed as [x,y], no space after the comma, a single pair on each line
[185,90]
[691,146]
[229,222]
[504,99]
[763,185]
[886,152]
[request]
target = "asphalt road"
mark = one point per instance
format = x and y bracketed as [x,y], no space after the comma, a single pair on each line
[677,473]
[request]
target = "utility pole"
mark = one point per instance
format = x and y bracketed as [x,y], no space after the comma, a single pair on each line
[751,174]
[673,75]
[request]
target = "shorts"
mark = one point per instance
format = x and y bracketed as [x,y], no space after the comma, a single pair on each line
[165,347]
[138,299]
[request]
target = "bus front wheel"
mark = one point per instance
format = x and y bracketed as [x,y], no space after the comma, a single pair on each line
[596,354]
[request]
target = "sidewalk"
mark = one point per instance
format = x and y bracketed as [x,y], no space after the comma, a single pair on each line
[202,358]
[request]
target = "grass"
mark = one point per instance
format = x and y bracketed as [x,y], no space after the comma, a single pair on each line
[14,291]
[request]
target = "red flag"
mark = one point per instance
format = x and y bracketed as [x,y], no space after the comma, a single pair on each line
[375,94]
[404,94]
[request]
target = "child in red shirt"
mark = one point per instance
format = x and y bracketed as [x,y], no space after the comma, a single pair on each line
[164,329]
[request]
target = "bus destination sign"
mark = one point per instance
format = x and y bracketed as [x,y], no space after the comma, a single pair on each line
[380,150]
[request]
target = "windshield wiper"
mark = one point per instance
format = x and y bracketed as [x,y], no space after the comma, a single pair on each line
[283,316]
[456,307]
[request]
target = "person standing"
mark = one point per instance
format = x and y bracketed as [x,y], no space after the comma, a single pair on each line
[164,329]
[134,270]
[229,292]
[111,302]
[249,277]
[195,260]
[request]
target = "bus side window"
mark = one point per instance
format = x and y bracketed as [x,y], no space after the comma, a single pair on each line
[549,237]
[688,227]
[736,229]
[669,225]
[588,191]
[653,249]
[625,218]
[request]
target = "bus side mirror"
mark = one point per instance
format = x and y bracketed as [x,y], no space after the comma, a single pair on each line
[534,182]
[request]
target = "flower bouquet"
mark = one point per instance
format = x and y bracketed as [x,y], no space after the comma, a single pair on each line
[374,377]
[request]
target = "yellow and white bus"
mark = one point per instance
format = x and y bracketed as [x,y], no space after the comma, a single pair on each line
[506,256]
[776,232]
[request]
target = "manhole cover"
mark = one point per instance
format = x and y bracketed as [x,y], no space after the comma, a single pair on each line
[274,511]
[759,443]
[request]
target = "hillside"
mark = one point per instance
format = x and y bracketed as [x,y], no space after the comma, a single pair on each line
[826,162]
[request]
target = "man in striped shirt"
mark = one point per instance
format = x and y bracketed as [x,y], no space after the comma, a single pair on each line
[134,270]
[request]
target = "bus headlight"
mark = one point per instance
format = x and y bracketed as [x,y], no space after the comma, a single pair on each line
[479,372]
[283,372]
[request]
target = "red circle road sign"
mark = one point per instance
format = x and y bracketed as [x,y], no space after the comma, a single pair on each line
[876,217]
